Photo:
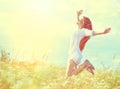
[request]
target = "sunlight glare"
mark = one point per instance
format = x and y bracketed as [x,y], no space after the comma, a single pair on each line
[41,6]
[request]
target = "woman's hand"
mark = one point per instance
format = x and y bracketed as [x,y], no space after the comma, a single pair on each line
[107,30]
[79,12]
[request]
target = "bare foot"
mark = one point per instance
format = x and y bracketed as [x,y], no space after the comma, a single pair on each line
[89,67]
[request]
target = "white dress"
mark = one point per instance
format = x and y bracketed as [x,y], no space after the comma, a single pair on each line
[74,51]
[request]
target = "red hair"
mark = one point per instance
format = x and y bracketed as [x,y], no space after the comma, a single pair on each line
[87,25]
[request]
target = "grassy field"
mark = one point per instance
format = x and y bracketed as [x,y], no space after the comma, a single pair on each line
[38,75]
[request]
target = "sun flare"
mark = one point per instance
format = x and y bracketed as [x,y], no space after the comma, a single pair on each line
[39,6]
[43,5]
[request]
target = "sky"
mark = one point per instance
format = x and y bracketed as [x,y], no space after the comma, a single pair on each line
[32,28]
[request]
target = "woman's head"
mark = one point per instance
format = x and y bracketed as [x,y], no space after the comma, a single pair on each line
[85,22]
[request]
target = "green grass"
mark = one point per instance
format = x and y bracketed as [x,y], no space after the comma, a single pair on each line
[38,75]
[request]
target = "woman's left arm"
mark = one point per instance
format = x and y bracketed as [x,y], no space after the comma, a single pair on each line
[78,14]
[107,30]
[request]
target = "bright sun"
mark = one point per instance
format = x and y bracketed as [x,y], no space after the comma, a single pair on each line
[40,6]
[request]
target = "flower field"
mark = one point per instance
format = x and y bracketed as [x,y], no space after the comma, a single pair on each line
[38,75]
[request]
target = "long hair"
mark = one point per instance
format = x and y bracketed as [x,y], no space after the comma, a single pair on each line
[87,25]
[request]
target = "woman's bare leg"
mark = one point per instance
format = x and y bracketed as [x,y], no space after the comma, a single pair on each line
[73,70]
[80,68]
[72,66]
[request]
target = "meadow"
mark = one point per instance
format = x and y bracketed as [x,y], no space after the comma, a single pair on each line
[40,75]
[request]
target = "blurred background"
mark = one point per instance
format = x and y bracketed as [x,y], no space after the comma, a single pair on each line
[41,29]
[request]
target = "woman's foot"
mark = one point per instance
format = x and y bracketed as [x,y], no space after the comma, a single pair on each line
[89,67]
[90,70]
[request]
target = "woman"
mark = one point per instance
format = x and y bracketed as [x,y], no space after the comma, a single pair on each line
[77,44]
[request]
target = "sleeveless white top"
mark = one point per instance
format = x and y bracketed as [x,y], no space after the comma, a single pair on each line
[74,51]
